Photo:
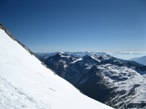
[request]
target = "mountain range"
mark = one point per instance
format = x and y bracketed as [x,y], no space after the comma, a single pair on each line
[115,82]
[25,82]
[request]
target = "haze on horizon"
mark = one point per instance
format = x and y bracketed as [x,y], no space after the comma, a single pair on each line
[77,25]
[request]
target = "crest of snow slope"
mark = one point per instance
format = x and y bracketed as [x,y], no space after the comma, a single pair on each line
[26,84]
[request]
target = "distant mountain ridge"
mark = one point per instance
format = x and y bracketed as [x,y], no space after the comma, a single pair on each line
[141,60]
[116,82]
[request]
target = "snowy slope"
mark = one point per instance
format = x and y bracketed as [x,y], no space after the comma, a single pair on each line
[26,84]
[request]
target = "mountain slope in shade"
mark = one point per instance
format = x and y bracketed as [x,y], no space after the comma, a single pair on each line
[26,84]
[116,82]
[141,60]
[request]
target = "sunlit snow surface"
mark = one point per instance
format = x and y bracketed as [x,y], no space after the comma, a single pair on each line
[26,84]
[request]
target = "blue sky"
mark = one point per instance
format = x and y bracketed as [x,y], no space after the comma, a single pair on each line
[77,25]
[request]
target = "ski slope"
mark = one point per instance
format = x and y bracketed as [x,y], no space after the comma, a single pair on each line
[26,84]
